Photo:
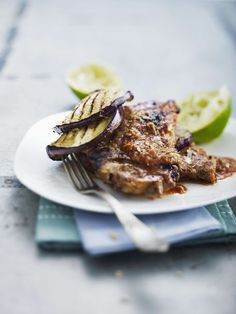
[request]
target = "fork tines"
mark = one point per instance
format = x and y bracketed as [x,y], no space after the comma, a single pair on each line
[77,173]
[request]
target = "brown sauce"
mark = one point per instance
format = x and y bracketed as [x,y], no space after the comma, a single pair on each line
[179,189]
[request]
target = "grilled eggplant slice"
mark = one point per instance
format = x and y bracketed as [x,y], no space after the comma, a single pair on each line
[85,137]
[93,108]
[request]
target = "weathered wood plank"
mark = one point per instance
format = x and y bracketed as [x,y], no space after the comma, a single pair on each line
[7,11]
[155,47]
[10,15]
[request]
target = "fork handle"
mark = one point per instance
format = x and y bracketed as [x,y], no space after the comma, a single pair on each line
[144,237]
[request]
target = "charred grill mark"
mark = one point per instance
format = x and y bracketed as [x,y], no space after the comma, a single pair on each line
[92,104]
[84,133]
[81,112]
[73,114]
[91,109]
[102,105]
[103,101]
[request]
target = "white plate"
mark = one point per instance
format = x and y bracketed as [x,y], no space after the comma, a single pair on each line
[48,178]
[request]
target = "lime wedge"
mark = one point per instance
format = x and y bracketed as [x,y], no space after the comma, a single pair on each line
[206,114]
[87,78]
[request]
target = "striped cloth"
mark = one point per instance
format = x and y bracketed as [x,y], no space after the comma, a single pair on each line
[62,228]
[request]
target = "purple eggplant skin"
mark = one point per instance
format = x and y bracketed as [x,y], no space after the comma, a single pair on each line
[58,153]
[107,111]
[183,142]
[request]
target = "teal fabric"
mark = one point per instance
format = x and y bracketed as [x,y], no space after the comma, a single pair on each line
[56,228]
[226,215]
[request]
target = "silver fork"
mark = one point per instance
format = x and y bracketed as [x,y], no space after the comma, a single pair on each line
[144,237]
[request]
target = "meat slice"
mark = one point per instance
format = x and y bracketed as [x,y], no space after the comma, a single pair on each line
[135,179]
[146,136]
[197,165]
[225,167]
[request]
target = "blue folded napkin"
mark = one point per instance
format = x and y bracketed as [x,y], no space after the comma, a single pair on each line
[60,227]
[103,234]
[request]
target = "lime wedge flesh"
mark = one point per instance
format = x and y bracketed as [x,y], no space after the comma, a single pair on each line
[87,78]
[206,114]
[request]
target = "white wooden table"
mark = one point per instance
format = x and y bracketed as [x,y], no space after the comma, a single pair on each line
[162,50]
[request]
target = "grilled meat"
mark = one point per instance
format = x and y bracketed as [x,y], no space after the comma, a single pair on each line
[225,167]
[197,165]
[149,155]
[137,179]
[146,136]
